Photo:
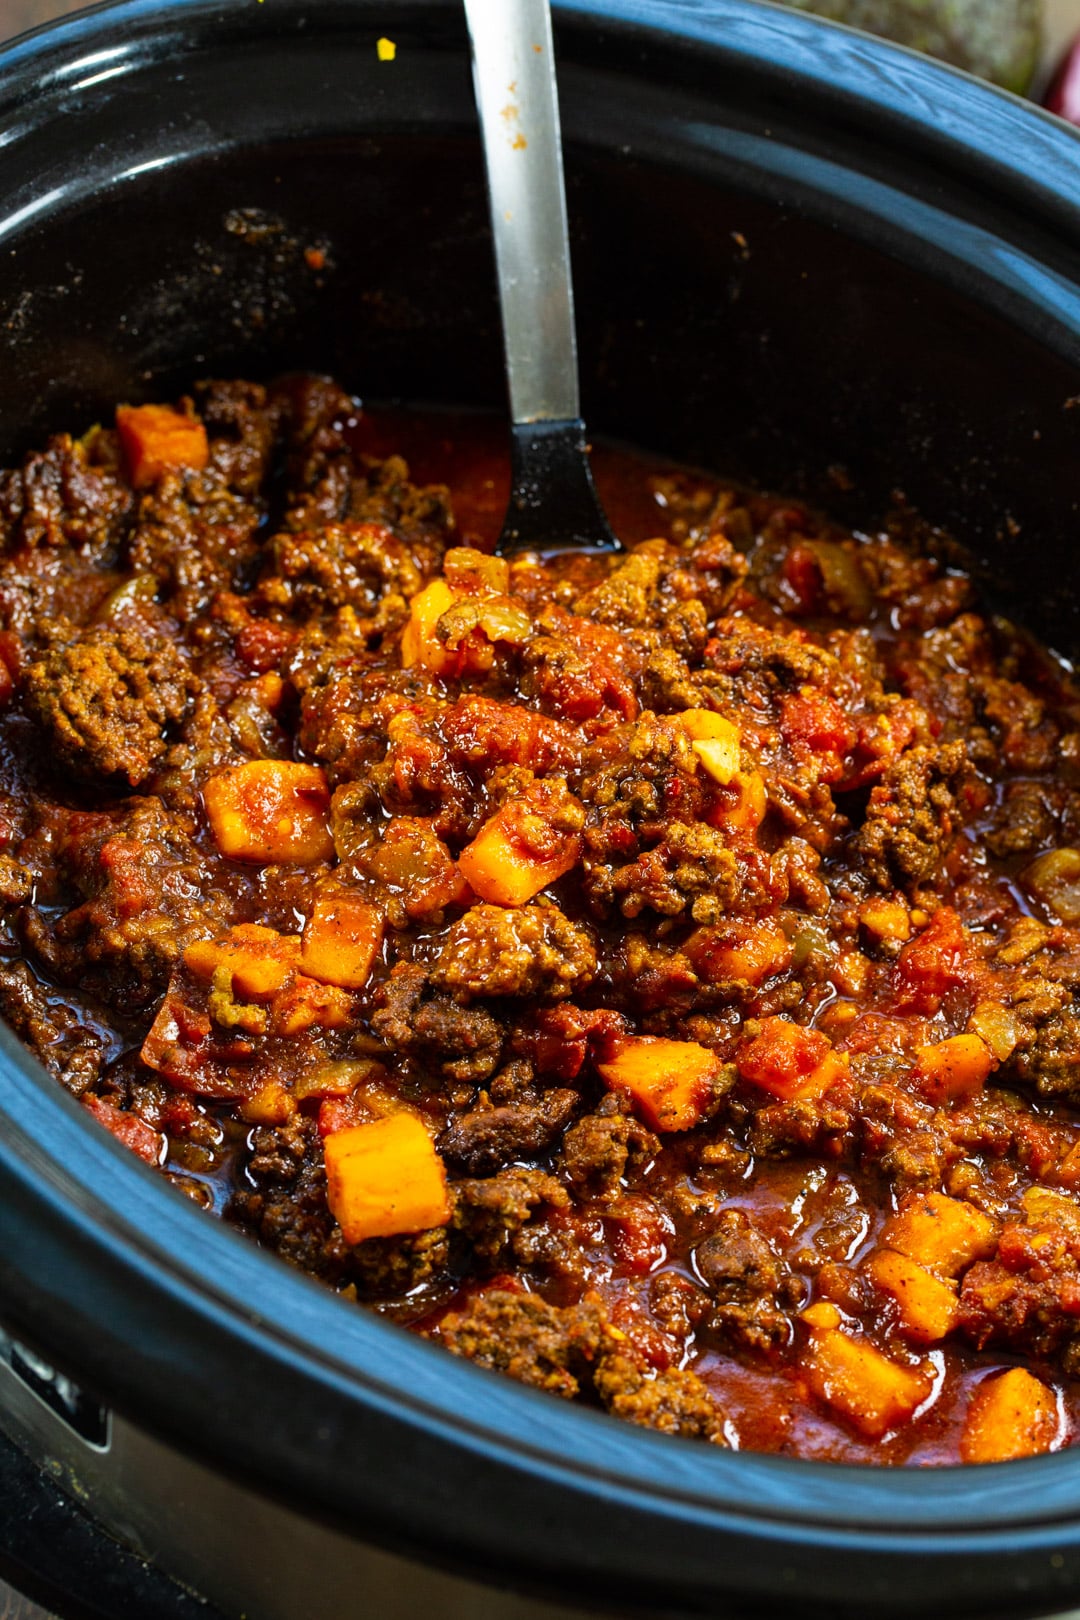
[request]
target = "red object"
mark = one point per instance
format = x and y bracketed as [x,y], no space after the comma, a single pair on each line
[133,1132]
[1063,92]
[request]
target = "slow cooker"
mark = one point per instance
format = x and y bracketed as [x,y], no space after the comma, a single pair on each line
[802,257]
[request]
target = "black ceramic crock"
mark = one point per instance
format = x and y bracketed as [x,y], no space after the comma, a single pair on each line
[801,257]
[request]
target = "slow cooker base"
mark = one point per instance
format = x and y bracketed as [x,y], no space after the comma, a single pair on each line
[253,1558]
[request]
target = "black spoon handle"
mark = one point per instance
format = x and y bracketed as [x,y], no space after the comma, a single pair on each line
[553,501]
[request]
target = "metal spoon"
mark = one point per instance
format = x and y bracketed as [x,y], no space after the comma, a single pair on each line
[553,502]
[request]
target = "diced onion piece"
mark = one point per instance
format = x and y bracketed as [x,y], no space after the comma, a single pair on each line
[270,810]
[715,741]
[1054,878]
[272,1104]
[670,1082]
[941,1233]
[955,1069]
[156,439]
[1045,1208]
[927,1306]
[1012,1415]
[385,1178]
[998,1026]
[341,939]
[852,1376]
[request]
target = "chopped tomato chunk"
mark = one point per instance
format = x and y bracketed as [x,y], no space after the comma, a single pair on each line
[932,963]
[790,1061]
[146,1143]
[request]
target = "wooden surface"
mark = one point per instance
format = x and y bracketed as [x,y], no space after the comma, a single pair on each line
[1062,21]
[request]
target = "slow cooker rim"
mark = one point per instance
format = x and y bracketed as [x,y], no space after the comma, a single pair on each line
[46,1194]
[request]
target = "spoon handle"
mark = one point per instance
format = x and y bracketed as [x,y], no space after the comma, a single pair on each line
[514,75]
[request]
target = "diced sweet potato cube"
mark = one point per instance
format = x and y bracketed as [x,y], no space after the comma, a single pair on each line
[156,439]
[750,952]
[927,1306]
[419,643]
[306,1004]
[670,1082]
[1011,1415]
[715,741]
[1045,1208]
[260,961]
[872,1392]
[885,921]
[790,1061]
[516,853]
[270,810]
[385,1178]
[954,1069]
[341,939]
[941,1233]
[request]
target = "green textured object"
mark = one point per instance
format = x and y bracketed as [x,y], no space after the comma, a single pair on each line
[995,39]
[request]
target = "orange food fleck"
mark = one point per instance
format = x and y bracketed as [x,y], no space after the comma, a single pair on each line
[670,1082]
[156,440]
[270,810]
[385,1178]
